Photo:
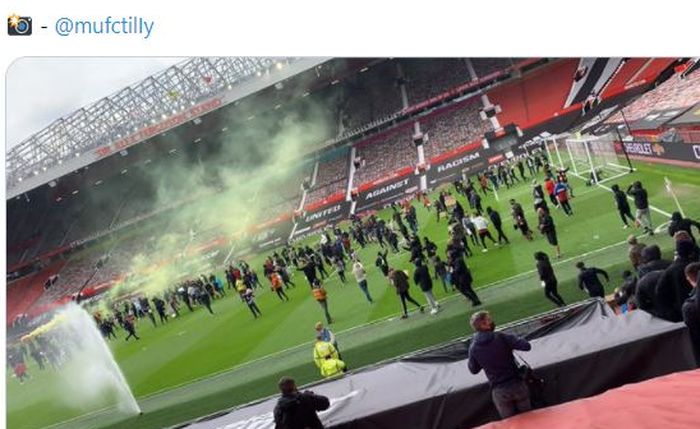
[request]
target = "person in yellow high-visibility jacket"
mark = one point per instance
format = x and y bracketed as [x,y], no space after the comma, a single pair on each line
[241,288]
[332,366]
[323,349]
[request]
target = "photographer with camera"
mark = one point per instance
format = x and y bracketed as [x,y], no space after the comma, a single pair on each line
[297,410]
[493,352]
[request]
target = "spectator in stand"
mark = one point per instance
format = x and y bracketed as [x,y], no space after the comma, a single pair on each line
[360,274]
[548,279]
[623,206]
[651,261]
[679,223]
[399,280]
[561,191]
[588,280]
[684,236]
[691,307]
[641,203]
[423,280]
[295,410]
[634,251]
[493,352]
[547,228]
[673,287]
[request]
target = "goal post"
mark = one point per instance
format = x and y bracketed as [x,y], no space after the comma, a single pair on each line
[594,159]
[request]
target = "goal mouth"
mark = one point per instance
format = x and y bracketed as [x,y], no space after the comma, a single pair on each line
[591,158]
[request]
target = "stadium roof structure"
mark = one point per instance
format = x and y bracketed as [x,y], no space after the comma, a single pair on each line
[181,93]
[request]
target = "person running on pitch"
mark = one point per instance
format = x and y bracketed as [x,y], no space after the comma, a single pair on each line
[519,220]
[382,262]
[538,196]
[442,273]
[462,277]
[399,280]
[497,223]
[547,228]
[561,190]
[641,202]
[340,268]
[249,298]
[277,286]
[588,280]
[482,228]
[548,279]
[130,327]
[321,296]
[623,206]
[422,279]
[549,187]
[360,274]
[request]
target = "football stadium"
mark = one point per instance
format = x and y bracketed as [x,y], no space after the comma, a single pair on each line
[377,229]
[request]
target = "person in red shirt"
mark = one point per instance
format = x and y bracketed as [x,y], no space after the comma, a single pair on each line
[549,187]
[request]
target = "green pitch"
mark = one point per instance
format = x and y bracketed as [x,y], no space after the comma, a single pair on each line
[199,363]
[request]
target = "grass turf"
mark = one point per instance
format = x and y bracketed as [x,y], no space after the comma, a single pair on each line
[248,355]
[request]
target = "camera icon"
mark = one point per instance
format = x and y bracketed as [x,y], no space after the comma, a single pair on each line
[19,25]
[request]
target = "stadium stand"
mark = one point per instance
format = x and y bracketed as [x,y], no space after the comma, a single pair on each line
[536,96]
[370,96]
[485,66]
[23,293]
[385,153]
[331,177]
[453,127]
[674,93]
[428,77]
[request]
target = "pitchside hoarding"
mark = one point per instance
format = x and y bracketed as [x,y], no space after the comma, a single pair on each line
[270,234]
[670,153]
[315,217]
[449,167]
[384,191]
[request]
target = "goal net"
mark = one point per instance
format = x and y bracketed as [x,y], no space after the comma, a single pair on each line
[591,158]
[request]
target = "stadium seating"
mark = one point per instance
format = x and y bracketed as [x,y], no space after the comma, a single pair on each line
[371,96]
[428,77]
[454,127]
[673,93]
[385,154]
[537,96]
[331,177]
[485,66]
[23,293]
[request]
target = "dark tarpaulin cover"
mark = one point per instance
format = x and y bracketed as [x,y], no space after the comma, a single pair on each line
[578,362]
[534,327]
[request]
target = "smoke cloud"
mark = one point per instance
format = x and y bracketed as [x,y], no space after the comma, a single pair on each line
[233,182]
